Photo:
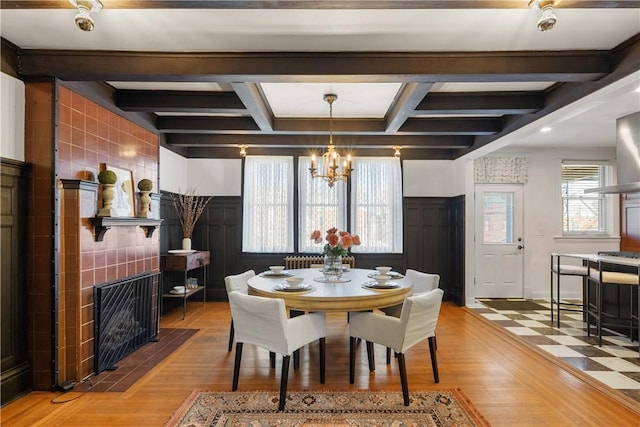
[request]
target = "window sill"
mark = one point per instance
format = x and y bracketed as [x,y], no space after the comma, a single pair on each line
[587,238]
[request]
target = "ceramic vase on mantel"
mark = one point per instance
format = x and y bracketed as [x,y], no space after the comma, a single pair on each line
[332,269]
[108,194]
[145,203]
[186,244]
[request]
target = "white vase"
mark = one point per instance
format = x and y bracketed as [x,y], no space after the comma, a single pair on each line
[186,244]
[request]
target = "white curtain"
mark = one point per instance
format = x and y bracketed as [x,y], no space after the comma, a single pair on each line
[376,199]
[267,218]
[320,206]
[500,170]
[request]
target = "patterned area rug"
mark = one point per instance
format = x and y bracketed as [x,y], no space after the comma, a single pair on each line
[317,408]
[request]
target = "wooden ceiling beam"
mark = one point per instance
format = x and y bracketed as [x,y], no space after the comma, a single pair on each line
[234,152]
[409,97]
[179,101]
[166,124]
[323,4]
[258,67]
[497,103]
[346,141]
[236,125]
[452,126]
[252,96]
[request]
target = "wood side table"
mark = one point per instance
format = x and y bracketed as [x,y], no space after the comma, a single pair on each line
[186,262]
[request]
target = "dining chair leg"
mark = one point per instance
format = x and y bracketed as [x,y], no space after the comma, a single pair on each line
[371,357]
[403,378]
[272,359]
[388,356]
[434,359]
[352,360]
[296,359]
[323,346]
[283,381]
[231,334]
[236,366]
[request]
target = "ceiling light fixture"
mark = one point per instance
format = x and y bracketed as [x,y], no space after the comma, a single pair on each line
[547,18]
[243,150]
[396,149]
[85,7]
[545,129]
[330,167]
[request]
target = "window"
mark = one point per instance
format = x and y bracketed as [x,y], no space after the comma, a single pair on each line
[376,197]
[321,206]
[583,213]
[267,219]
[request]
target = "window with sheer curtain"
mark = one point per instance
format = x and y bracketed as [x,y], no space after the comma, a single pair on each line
[583,213]
[321,206]
[376,204]
[267,220]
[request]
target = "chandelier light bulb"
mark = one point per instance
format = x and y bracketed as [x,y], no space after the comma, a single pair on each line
[83,19]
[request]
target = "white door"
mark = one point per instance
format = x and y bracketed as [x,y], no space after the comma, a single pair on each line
[498,241]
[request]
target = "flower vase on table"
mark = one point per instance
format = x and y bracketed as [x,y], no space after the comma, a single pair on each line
[332,269]
[338,244]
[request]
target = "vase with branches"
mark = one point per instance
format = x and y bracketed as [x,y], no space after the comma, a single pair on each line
[189,207]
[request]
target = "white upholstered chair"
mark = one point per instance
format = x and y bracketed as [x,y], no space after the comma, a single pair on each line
[263,322]
[421,283]
[238,283]
[416,323]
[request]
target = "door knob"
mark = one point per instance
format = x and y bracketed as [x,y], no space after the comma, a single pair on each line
[520,247]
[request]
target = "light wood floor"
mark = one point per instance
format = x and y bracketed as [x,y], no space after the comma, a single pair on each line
[509,384]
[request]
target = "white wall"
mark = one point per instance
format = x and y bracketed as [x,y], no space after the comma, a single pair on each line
[11,118]
[428,178]
[215,177]
[543,221]
[209,177]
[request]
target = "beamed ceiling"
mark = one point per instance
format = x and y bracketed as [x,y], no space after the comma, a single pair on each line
[436,104]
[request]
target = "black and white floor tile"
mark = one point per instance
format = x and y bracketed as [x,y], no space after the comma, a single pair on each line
[615,364]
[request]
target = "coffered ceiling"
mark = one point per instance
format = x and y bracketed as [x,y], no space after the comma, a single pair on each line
[439,78]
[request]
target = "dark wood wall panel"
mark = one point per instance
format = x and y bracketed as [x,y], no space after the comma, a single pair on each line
[432,240]
[16,369]
[433,236]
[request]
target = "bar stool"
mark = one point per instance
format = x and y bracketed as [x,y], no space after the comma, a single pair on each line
[558,270]
[602,277]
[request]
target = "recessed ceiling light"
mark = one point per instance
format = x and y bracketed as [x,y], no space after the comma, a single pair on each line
[545,129]
[638,89]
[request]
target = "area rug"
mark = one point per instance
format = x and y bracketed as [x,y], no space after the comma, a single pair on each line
[511,304]
[442,408]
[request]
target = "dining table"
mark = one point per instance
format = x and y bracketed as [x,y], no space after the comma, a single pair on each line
[355,290]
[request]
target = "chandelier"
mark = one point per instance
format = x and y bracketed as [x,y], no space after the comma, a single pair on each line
[330,163]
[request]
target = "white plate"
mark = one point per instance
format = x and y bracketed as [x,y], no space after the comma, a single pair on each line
[375,285]
[393,274]
[276,275]
[182,251]
[174,292]
[284,287]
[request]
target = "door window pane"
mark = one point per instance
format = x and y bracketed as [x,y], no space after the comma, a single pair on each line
[497,217]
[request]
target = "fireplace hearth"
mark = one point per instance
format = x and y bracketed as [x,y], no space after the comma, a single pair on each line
[125,318]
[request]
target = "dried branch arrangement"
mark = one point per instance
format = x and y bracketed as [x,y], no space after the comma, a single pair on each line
[189,208]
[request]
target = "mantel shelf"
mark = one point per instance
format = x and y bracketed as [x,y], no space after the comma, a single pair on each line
[103,223]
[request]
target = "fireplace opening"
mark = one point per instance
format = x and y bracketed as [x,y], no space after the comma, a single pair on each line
[125,318]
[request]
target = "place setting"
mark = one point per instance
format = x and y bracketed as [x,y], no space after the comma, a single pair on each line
[386,271]
[276,272]
[382,279]
[293,284]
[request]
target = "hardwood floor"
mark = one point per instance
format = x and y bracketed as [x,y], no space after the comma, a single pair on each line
[506,381]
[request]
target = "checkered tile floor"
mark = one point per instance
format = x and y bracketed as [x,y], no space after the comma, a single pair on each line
[615,364]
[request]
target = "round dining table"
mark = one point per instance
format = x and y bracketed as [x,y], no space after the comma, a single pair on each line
[352,292]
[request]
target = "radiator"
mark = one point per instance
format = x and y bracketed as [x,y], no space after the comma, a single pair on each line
[293,262]
[125,318]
